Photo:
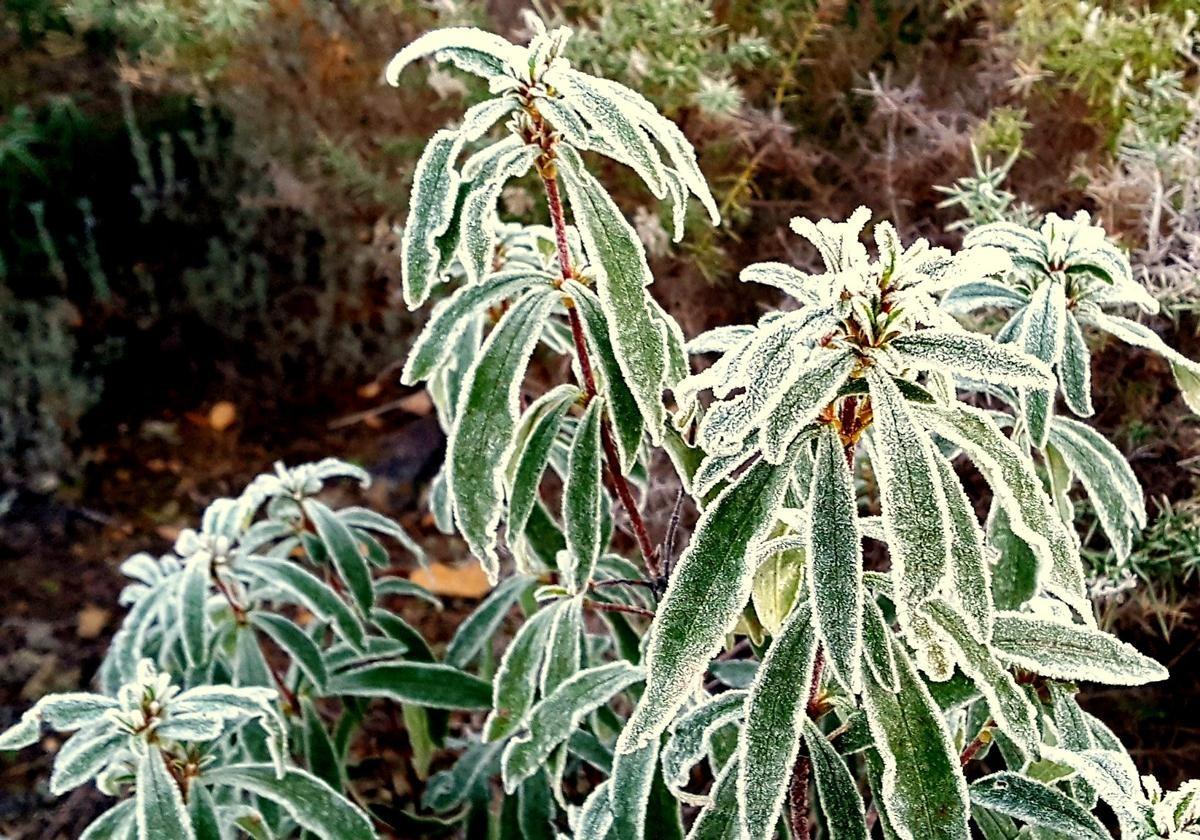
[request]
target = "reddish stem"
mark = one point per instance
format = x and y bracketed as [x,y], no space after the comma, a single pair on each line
[611,455]
[798,790]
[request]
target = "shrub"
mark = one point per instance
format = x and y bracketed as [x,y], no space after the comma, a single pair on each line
[625,700]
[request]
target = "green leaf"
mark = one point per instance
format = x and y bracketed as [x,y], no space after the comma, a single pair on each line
[421,683]
[877,647]
[564,653]
[436,341]
[314,805]
[835,560]
[84,755]
[629,791]
[202,811]
[975,356]
[558,714]
[364,519]
[841,803]
[469,49]
[1043,335]
[516,682]
[619,265]
[1075,370]
[776,709]
[1071,651]
[692,733]
[431,209]
[612,123]
[535,437]
[311,593]
[1186,371]
[777,584]
[193,615]
[160,808]
[1036,804]
[343,549]
[117,823]
[321,754]
[295,643]
[924,793]
[713,571]
[1015,574]
[1019,491]
[618,399]
[970,574]
[1107,478]
[719,820]
[481,439]
[915,511]
[581,500]
[1006,700]
[814,388]
[480,626]
[971,297]
[496,167]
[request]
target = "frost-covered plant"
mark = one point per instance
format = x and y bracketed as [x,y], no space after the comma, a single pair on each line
[911,673]
[268,614]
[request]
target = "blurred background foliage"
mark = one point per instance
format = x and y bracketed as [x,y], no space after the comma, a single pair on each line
[201,196]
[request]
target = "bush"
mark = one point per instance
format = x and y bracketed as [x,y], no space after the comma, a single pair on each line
[646,684]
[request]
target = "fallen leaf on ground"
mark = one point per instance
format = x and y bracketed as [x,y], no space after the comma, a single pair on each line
[463,581]
[91,621]
[222,415]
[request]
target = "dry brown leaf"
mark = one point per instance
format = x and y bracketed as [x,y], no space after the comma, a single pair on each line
[222,415]
[91,621]
[466,580]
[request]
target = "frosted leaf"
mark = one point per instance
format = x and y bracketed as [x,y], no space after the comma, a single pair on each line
[789,280]
[910,732]
[481,440]
[479,231]
[554,718]
[915,515]
[970,580]
[717,468]
[668,135]
[534,437]
[720,339]
[1186,371]
[772,358]
[616,125]
[838,242]
[983,294]
[1071,651]
[776,708]
[1036,804]
[160,808]
[1108,479]
[814,388]
[620,402]
[1103,771]
[713,571]
[1017,490]
[431,210]
[718,820]
[1005,699]
[692,733]
[469,49]
[1043,335]
[1075,369]
[84,755]
[877,647]
[970,355]
[582,494]
[837,791]
[309,801]
[629,789]
[834,549]
[619,262]
[299,586]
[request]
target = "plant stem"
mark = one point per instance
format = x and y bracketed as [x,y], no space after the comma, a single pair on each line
[604,606]
[290,701]
[611,456]
[981,740]
[798,790]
